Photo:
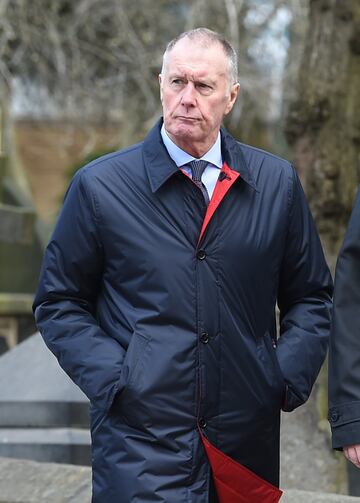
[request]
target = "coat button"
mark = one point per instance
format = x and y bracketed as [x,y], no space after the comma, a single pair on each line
[202,422]
[201,254]
[204,338]
[334,416]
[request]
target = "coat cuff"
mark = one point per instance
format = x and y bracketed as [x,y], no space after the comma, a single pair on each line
[345,424]
[292,400]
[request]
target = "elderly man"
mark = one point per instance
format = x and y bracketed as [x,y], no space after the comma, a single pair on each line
[158,295]
[344,370]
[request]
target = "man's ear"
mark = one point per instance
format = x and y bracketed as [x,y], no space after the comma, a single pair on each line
[160,84]
[234,91]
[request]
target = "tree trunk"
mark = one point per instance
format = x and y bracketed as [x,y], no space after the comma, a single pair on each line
[323,123]
[323,128]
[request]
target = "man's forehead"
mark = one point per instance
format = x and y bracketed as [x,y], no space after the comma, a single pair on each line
[192,72]
[200,59]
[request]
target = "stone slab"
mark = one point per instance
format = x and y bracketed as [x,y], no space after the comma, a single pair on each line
[45,436]
[16,224]
[57,445]
[12,304]
[32,414]
[35,391]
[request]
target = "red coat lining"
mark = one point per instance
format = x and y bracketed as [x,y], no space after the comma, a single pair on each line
[221,188]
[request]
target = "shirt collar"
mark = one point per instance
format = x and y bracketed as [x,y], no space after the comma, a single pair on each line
[180,157]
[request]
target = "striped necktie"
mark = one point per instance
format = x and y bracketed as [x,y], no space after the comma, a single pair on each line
[197,169]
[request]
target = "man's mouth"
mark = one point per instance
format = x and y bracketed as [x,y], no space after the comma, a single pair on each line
[185,118]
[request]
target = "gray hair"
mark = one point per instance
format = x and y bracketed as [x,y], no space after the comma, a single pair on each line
[207,37]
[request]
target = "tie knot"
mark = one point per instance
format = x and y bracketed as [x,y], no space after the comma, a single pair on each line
[197,169]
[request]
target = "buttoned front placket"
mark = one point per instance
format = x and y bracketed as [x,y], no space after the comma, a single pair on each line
[208,316]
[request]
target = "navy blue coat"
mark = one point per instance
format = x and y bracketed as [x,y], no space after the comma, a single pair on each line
[344,370]
[167,327]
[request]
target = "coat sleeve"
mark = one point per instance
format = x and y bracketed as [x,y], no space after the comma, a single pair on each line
[65,302]
[344,358]
[304,300]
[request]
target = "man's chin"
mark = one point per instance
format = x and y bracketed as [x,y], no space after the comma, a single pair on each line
[186,130]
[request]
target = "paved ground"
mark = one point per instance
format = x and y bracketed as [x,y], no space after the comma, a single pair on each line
[307,460]
[31,482]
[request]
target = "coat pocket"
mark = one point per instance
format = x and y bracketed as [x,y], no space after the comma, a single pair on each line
[271,363]
[132,361]
[127,403]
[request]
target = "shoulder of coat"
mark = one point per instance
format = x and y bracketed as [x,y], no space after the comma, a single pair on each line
[117,159]
[264,155]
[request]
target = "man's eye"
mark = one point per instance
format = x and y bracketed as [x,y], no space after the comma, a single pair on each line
[204,88]
[177,81]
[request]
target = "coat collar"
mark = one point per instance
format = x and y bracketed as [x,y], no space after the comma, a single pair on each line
[160,167]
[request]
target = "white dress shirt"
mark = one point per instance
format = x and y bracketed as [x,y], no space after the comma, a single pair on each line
[212,156]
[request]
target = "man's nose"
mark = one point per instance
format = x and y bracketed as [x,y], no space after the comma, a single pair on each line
[188,97]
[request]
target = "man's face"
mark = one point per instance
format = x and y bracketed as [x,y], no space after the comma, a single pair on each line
[196,94]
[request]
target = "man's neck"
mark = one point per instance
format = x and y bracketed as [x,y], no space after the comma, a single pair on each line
[196,150]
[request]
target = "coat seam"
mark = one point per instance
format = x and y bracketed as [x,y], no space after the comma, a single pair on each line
[94,206]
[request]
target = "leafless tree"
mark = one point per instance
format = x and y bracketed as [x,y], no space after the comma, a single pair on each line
[93,59]
[323,119]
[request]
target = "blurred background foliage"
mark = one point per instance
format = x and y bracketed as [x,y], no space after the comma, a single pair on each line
[99,60]
[80,77]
